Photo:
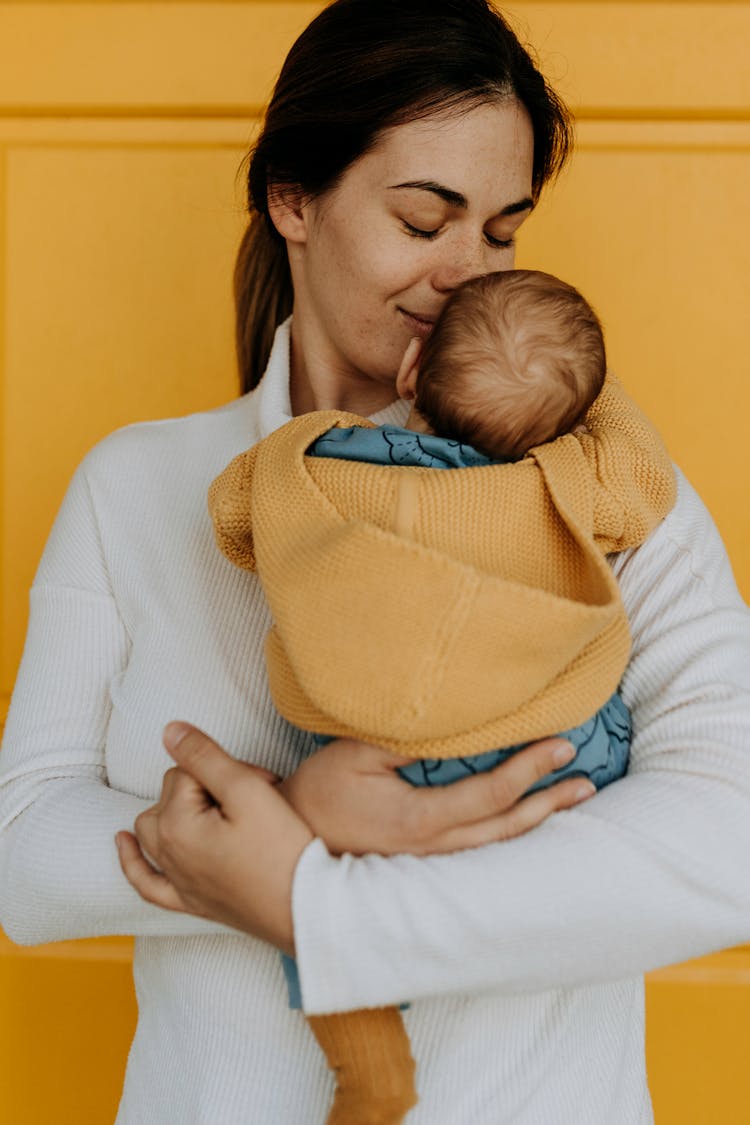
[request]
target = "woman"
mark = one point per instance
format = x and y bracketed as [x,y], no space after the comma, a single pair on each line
[405,144]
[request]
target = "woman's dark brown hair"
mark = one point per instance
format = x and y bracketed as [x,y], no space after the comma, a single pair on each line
[360,67]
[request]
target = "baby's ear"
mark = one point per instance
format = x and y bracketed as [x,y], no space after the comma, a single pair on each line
[406,380]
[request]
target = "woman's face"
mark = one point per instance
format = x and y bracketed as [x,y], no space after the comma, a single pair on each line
[434,203]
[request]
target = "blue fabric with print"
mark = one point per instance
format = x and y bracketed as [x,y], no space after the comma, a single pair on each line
[602,748]
[394,445]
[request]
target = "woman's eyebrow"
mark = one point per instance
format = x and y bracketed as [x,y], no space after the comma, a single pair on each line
[453,197]
[526,204]
[456,199]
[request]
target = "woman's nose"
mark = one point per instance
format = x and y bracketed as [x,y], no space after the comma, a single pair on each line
[460,263]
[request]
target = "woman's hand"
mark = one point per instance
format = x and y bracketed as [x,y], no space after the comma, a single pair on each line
[350,795]
[223,841]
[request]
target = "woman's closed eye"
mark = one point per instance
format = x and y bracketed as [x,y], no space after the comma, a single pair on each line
[420,232]
[500,243]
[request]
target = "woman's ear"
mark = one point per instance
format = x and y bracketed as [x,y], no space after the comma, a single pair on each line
[406,380]
[287,211]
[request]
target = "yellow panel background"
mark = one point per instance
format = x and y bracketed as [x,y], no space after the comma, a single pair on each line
[118,268]
[120,221]
[651,223]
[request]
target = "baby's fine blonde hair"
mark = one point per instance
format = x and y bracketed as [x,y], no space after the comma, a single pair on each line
[515,359]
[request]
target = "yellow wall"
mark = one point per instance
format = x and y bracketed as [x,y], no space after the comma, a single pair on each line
[122,125]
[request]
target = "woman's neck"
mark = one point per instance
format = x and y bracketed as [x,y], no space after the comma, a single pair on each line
[317,384]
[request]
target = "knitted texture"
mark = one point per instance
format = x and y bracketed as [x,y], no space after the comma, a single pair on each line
[370,1054]
[458,610]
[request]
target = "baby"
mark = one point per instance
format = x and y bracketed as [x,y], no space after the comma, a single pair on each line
[441,614]
[515,360]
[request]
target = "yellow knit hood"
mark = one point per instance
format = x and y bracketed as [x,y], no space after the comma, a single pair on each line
[440,614]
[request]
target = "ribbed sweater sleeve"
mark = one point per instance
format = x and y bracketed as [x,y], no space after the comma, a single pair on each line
[59,874]
[648,872]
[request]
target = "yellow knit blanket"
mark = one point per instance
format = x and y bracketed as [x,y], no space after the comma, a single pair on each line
[441,614]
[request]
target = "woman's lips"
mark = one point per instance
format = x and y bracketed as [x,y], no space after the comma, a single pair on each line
[418,325]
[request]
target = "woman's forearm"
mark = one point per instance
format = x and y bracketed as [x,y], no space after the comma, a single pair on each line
[59,873]
[648,872]
[579,901]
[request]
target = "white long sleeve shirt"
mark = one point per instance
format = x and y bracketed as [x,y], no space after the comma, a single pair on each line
[523,960]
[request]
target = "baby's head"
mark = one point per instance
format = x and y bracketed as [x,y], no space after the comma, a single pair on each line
[515,359]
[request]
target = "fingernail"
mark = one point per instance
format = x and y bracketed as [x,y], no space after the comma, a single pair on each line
[565,753]
[174,734]
[585,791]
[118,842]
